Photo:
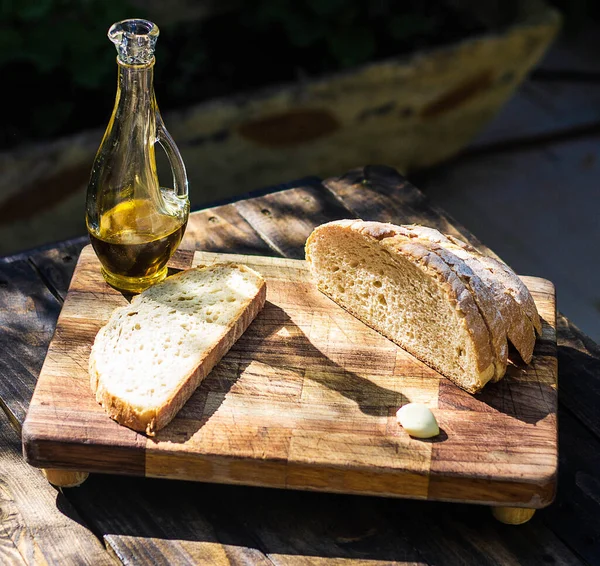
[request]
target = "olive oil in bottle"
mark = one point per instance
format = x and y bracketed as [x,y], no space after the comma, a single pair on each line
[134,245]
[134,224]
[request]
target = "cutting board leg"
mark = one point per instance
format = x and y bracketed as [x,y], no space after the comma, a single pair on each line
[64,478]
[512,515]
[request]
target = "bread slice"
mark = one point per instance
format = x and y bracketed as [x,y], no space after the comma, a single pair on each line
[519,326]
[152,354]
[406,292]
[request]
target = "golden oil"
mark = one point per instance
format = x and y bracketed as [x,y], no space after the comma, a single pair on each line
[134,244]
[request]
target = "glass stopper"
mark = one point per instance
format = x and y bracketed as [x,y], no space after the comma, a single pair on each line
[135,40]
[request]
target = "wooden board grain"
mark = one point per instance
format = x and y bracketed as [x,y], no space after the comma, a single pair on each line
[306,399]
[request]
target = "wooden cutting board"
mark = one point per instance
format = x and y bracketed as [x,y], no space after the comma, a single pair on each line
[306,399]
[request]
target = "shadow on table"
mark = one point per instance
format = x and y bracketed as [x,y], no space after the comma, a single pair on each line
[160,521]
[527,391]
[293,355]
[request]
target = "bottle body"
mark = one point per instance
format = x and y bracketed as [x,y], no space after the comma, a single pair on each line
[133,253]
[135,225]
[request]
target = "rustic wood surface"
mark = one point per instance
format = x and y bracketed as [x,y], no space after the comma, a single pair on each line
[157,521]
[38,525]
[306,399]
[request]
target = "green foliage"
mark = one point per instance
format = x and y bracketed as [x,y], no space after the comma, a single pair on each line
[56,54]
[346,31]
[62,66]
[404,26]
[47,34]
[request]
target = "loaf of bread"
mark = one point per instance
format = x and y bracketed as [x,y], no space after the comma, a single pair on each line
[512,299]
[429,294]
[152,354]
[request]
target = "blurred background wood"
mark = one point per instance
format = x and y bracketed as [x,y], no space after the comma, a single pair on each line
[408,110]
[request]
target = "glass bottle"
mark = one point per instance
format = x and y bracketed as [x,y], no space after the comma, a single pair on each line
[133,223]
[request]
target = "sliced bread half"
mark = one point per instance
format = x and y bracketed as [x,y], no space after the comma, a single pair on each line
[407,293]
[482,295]
[152,354]
[519,326]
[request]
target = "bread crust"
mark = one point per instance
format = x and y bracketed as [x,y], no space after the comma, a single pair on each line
[397,238]
[513,283]
[152,419]
[519,326]
[486,304]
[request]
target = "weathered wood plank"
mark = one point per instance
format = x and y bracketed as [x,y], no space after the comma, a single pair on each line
[461,534]
[55,266]
[285,219]
[38,525]
[179,523]
[579,363]
[222,229]
[575,516]
[327,547]
[9,553]
[295,528]
[307,528]
[28,313]
[382,194]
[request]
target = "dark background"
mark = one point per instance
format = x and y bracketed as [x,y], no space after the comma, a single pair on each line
[59,69]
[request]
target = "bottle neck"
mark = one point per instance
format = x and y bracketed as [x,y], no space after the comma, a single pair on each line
[135,88]
[133,126]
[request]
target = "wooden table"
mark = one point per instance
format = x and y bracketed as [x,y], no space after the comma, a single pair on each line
[112,519]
